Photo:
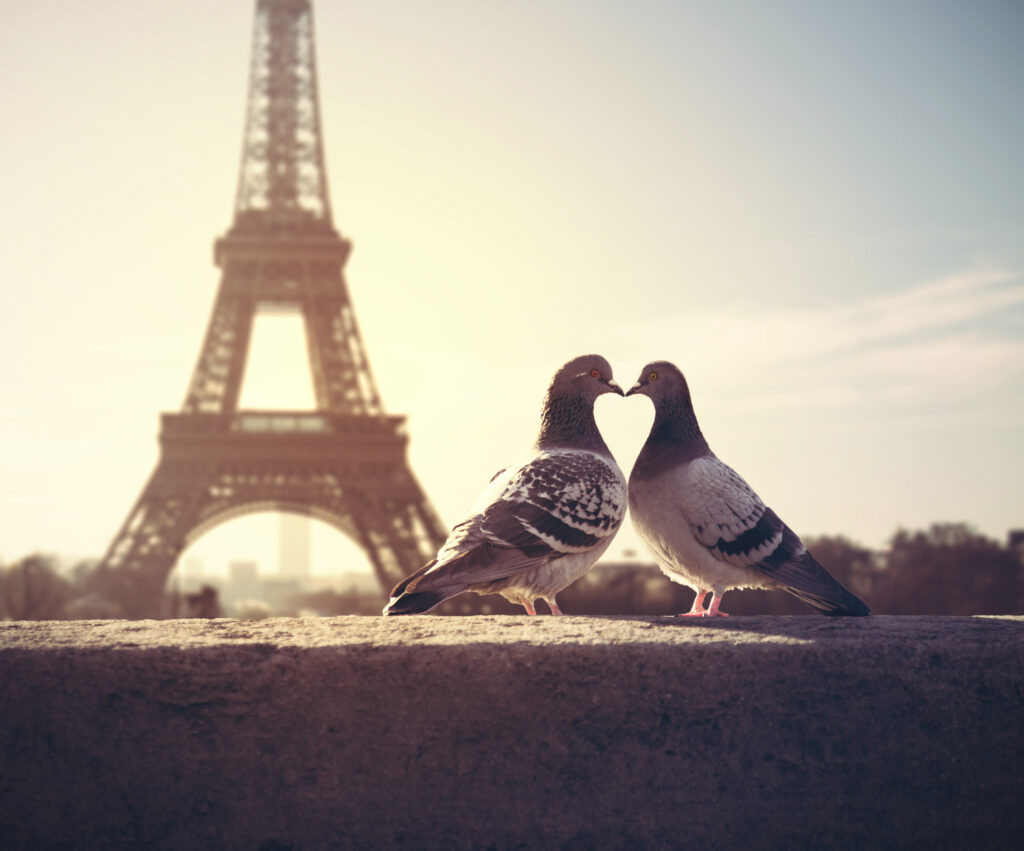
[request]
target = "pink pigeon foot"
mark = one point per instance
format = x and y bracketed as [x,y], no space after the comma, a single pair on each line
[528,605]
[554,607]
[697,609]
[713,608]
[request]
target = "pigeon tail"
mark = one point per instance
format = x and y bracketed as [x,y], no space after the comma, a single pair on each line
[414,603]
[851,607]
[405,602]
[434,583]
[828,596]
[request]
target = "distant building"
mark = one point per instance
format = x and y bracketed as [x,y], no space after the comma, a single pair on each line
[281,594]
[205,603]
[191,570]
[243,579]
[293,537]
[356,582]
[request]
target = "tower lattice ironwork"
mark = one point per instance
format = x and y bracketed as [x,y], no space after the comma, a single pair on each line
[345,462]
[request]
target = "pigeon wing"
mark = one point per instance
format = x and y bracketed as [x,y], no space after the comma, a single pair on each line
[562,502]
[559,503]
[733,523]
[726,516]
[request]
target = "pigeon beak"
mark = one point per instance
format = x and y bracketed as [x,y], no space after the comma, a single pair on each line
[635,388]
[614,386]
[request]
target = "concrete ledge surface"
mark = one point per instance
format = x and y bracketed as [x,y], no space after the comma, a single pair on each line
[513,732]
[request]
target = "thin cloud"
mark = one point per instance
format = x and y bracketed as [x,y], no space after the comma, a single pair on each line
[934,347]
[958,300]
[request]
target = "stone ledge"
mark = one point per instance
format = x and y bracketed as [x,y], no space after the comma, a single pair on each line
[513,732]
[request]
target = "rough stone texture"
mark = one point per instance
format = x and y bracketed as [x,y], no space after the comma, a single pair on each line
[513,732]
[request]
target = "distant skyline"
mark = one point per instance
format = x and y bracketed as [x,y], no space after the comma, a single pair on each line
[815,209]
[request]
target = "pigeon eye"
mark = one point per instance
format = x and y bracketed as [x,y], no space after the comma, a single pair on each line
[652,377]
[595,374]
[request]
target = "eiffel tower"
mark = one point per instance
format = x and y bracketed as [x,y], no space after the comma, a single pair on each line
[345,462]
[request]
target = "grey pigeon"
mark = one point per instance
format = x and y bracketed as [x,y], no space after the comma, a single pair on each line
[704,524]
[539,525]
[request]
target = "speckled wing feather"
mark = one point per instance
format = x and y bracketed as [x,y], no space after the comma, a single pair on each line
[559,503]
[730,520]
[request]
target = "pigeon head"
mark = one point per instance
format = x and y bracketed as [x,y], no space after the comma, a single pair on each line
[588,376]
[674,419]
[660,380]
[568,416]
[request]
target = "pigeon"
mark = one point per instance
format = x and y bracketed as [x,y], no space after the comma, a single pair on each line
[704,524]
[541,524]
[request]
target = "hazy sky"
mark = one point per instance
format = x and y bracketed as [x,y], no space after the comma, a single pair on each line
[815,209]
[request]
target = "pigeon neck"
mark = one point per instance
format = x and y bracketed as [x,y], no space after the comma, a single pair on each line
[675,422]
[568,423]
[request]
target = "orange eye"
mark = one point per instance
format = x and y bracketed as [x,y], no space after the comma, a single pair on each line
[594,373]
[652,377]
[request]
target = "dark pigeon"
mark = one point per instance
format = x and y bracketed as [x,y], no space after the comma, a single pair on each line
[539,525]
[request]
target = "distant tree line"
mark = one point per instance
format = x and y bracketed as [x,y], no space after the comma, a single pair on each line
[947,569]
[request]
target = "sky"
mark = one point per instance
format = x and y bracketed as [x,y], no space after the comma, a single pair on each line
[815,209]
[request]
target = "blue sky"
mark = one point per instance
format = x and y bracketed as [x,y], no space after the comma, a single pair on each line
[815,209]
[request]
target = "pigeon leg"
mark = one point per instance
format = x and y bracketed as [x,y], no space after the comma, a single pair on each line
[697,609]
[716,601]
[553,606]
[528,605]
